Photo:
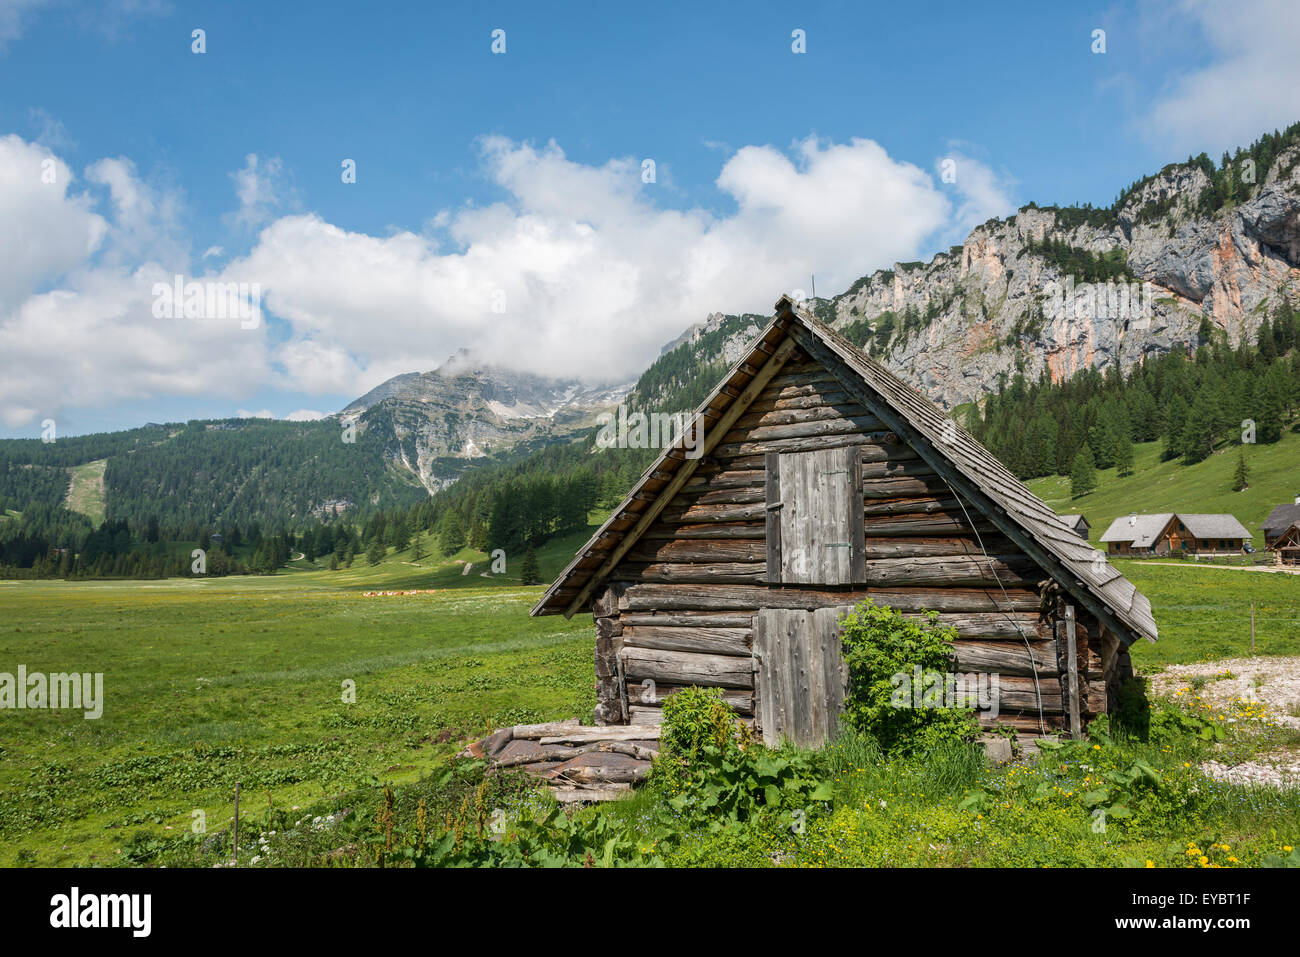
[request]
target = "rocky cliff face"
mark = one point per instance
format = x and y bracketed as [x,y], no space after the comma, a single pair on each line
[436,424]
[998,304]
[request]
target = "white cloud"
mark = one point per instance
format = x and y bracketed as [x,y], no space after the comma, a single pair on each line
[1249,84]
[58,231]
[77,328]
[13,17]
[298,415]
[262,189]
[578,272]
[982,194]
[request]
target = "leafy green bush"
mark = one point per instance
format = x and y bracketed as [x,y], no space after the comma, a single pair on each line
[879,643]
[694,718]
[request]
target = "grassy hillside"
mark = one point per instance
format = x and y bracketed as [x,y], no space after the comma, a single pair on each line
[86,490]
[1157,486]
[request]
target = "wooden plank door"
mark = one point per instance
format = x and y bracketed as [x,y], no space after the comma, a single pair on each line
[815,524]
[800,674]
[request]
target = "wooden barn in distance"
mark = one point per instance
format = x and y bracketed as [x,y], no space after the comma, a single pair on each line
[824,480]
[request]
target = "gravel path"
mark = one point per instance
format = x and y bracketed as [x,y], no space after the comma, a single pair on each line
[1272,682]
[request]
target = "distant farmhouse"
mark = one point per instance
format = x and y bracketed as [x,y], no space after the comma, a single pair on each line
[1078,524]
[1282,533]
[1175,533]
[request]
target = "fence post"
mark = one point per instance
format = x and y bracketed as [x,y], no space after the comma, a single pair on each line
[235,859]
[1252,629]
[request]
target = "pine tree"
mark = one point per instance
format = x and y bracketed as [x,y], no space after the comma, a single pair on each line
[1083,473]
[1241,474]
[377,552]
[529,572]
[1124,455]
[451,533]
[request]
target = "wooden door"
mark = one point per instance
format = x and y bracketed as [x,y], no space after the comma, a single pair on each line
[800,674]
[815,525]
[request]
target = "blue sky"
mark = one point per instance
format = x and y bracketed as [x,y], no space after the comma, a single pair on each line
[499,203]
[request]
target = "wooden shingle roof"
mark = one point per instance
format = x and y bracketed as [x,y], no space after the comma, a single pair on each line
[975,475]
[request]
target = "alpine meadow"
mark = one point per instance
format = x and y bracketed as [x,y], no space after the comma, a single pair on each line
[686,438]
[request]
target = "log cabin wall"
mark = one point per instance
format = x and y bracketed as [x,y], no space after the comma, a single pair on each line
[679,608]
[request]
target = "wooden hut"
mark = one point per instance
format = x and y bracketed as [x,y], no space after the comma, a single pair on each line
[1078,524]
[822,479]
[1286,546]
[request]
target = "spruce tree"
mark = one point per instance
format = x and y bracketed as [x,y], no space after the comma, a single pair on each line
[1241,474]
[1124,455]
[529,572]
[1083,473]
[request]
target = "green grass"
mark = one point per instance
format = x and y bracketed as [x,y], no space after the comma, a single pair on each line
[214,681]
[1204,613]
[1157,486]
[209,682]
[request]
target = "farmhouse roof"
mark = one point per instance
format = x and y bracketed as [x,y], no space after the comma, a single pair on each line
[1281,518]
[1140,531]
[975,475]
[1214,526]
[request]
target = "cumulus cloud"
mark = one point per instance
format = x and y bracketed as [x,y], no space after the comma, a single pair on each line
[77,322]
[1247,86]
[580,270]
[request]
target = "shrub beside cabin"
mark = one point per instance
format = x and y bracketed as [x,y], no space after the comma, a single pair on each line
[825,480]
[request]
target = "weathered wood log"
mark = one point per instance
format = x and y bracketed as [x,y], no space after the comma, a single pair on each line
[995,626]
[896,468]
[946,571]
[722,671]
[810,399]
[731,573]
[600,775]
[697,514]
[787,383]
[719,530]
[759,418]
[1006,658]
[861,424]
[900,487]
[533,731]
[890,526]
[643,714]
[914,505]
[731,478]
[921,547]
[718,641]
[591,793]
[672,597]
[609,733]
[651,693]
[688,619]
[721,496]
[697,550]
[737,449]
